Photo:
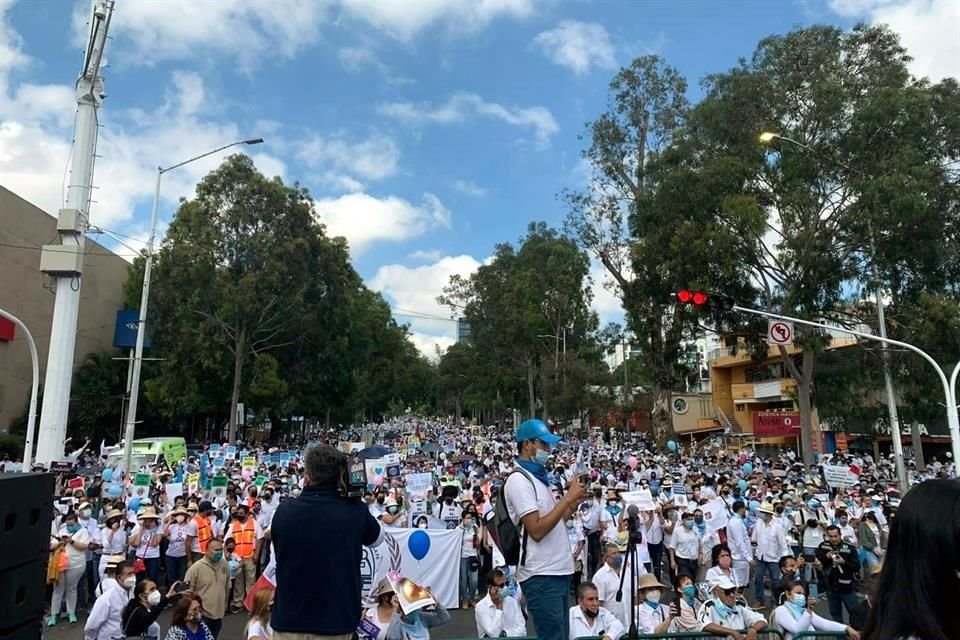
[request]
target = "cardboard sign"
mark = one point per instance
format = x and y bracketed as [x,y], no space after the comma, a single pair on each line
[839,476]
[230,453]
[173,491]
[141,486]
[260,481]
[418,485]
[249,462]
[75,483]
[218,486]
[392,462]
[193,483]
[715,514]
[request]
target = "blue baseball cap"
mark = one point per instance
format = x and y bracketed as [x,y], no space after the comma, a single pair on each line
[535,430]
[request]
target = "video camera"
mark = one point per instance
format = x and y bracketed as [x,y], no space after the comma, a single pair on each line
[353,477]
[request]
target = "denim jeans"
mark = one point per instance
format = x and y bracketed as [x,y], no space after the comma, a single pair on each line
[548,602]
[468,580]
[176,568]
[837,601]
[769,568]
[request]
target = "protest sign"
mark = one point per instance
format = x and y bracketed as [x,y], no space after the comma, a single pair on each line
[260,481]
[838,476]
[141,486]
[249,462]
[715,514]
[218,486]
[418,485]
[392,463]
[173,491]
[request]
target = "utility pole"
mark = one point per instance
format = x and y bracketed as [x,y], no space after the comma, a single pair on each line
[64,261]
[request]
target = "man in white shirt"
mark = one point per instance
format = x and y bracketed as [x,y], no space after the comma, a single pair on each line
[607,582]
[499,612]
[588,618]
[722,616]
[741,551]
[771,545]
[546,563]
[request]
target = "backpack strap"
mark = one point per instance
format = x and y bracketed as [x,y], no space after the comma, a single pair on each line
[523,541]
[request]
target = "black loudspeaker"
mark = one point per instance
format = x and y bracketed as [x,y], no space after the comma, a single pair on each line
[26,511]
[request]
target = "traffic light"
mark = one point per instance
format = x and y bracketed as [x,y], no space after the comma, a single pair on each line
[714,301]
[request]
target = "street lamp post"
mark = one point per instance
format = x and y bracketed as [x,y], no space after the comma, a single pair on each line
[895,436]
[145,296]
[34,389]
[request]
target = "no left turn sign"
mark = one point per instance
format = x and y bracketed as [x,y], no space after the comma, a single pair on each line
[779,333]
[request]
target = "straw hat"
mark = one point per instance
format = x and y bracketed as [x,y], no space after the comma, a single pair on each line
[649,581]
[179,511]
[148,514]
[766,507]
[113,514]
[113,561]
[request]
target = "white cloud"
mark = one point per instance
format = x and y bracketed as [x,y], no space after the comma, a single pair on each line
[405,19]
[364,219]
[357,59]
[578,46]
[252,31]
[461,106]
[606,300]
[414,290]
[469,188]
[928,29]
[346,164]
[422,255]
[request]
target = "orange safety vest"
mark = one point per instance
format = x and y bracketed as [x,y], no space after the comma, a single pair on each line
[204,532]
[245,535]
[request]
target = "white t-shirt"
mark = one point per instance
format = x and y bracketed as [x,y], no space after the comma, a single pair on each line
[551,555]
[145,549]
[257,630]
[467,548]
[76,558]
[178,540]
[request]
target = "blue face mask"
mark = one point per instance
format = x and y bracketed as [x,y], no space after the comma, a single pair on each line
[616,562]
[796,604]
[722,609]
[688,524]
[507,592]
[541,456]
[689,593]
[73,528]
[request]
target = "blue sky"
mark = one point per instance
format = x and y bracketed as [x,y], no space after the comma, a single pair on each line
[427,131]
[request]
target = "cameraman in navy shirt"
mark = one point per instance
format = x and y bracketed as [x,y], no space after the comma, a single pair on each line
[318,538]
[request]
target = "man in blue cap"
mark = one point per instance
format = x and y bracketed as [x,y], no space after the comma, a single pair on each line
[546,560]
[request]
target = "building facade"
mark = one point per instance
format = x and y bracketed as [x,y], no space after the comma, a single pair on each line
[24,293]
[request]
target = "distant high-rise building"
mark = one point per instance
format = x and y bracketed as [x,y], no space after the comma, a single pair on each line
[463,331]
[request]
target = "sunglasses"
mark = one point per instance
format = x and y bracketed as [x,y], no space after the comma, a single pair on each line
[729,592]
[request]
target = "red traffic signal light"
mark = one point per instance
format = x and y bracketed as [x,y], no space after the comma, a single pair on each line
[700,299]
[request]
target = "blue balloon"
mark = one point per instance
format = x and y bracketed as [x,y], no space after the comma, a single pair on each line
[742,484]
[747,468]
[419,544]
[754,505]
[134,504]
[672,445]
[107,474]
[114,491]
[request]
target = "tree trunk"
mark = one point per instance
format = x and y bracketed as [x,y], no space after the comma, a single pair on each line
[916,439]
[545,416]
[806,421]
[531,390]
[239,354]
[661,418]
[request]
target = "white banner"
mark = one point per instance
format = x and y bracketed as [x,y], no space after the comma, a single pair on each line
[839,476]
[715,514]
[429,557]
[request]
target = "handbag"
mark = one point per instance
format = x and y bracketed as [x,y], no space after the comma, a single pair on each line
[139,566]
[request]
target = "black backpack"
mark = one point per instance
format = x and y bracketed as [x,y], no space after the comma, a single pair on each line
[505,534]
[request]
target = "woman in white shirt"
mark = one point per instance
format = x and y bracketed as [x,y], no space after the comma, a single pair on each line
[113,537]
[73,540]
[469,561]
[722,562]
[796,614]
[258,627]
[176,532]
[145,541]
[651,616]
[377,619]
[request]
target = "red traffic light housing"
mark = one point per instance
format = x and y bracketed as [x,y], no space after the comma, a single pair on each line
[700,299]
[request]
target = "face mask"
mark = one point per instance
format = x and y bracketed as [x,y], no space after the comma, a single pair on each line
[721,608]
[422,525]
[180,519]
[569,524]
[799,599]
[765,517]
[85,513]
[392,510]
[73,528]
[541,456]
[196,617]
[689,592]
[130,582]
[217,556]
[380,499]
[468,524]
[616,562]
[448,500]
[843,522]
[653,596]
[698,520]
[688,524]
[154,598]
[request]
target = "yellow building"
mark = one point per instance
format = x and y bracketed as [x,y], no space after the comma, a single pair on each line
[756,398]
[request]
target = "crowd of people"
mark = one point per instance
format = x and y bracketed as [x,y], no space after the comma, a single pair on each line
[610,534]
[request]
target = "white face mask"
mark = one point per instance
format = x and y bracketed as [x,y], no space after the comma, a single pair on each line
[154,598]
[653,596]
[130,582]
